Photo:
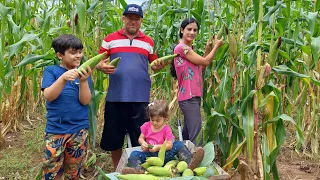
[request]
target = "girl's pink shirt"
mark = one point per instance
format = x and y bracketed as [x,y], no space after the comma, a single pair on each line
[189,75]
[155,138]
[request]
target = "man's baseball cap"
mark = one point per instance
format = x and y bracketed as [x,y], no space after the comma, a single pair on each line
[133,9]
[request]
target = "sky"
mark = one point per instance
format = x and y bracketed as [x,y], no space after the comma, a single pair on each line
[139,2]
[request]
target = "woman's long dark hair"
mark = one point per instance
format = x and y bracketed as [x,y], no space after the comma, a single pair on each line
[183,25]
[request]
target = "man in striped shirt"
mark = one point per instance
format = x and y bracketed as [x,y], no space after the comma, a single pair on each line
[129,85]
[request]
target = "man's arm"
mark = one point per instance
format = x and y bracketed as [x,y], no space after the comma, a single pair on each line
[103,65]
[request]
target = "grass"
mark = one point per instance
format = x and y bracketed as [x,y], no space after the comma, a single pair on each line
[21,159]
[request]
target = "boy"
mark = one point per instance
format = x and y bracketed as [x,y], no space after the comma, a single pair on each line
[67,93]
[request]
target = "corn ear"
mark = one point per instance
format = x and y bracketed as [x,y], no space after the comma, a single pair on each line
[160,171]
[137,177]
[171,164]
[162,152]
[92,62]
[182,166]
[115,61]
[200,170]
[155,161]
[233,47]
[274,51]
[187,172]
[165,59]
[220,32]
[146,165]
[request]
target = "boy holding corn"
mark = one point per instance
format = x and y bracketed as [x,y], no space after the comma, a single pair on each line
[129,85]
[153,134]
[67,93]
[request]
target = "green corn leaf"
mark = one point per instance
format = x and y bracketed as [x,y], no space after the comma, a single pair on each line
[93,5]
[312,17]
[235,153]
[256,9]
[265,157]
[271,11]
[209,155]
[283,69]
[81,13]
[315,48]
[12,49]
[317,5]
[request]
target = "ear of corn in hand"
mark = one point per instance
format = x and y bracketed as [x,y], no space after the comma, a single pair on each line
[115,62]
[165,59]
[92,62]
[220,32]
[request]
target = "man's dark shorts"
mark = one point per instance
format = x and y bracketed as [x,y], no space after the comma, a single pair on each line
[120,118]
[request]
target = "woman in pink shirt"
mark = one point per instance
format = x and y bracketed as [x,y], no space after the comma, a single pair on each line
[187,69]
[154,133]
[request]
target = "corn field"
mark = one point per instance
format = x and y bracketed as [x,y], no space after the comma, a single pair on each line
[263,79]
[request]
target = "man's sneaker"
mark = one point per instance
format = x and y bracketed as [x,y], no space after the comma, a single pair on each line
[197,157]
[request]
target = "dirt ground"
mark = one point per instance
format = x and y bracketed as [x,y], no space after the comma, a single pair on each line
[291,165]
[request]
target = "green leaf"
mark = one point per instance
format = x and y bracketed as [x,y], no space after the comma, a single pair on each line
[265,156]
[250,31]
[265,100]
[247,99]
[315,48]
[93,5]
[235,154]
[81,13]
[209,155]
[15,47]
[284,54]
[312,17]
[4,10]
[30,58]
[110,176]
[317,5]
[271,11]
[283,69]
[291,41]
[256,9]
[123,3]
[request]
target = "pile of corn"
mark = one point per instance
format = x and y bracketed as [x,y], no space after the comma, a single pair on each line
[156,170]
